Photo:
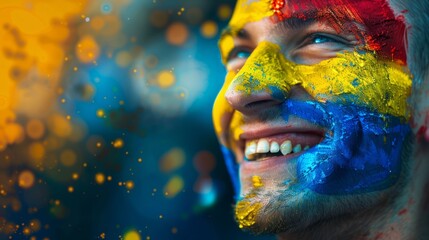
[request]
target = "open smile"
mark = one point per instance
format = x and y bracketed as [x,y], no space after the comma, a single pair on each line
[264,145]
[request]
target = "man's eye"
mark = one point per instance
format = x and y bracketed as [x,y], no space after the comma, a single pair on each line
[322,39]
[319,38]
[239,53]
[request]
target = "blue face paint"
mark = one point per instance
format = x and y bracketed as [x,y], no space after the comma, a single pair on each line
[361,152]
[232,168]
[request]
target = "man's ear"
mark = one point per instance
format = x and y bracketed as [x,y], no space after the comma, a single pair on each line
[416,17]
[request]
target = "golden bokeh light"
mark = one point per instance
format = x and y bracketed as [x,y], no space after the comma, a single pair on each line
[132,235]
[177,34]
[165,79]
[123,58]
[60,126]
[174,186]
[35,128]
[118,143]
[100,113]
[75,176]
[35,225]
[68,157]
[129,185]
[209,29]
[100,178]
[172,160]
[224,12]
[87,49]
[36,151]
[26,179]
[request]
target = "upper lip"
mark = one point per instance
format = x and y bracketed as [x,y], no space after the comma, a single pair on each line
[268,132]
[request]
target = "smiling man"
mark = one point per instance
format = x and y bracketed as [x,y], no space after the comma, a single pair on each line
[314,123]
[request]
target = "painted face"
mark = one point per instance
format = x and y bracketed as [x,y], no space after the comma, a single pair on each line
[313,111]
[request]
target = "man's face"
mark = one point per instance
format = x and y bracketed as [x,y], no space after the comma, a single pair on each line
[312,117]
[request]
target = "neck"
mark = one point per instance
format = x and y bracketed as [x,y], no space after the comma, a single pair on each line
[404,216]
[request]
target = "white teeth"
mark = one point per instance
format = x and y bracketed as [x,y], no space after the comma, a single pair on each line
[297,148]
[274,148]
[286,147]
[263,146]
[250,150]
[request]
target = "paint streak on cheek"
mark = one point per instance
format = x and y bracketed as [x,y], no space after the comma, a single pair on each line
[350,77]
[361,79]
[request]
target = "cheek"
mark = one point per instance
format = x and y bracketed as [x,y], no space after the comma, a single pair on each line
[359,79]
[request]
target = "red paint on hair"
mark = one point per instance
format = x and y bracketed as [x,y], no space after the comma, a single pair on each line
[385,34]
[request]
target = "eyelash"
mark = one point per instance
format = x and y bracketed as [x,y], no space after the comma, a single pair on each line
[311,38]
[236,51]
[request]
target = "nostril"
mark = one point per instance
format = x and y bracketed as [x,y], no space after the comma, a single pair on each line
[259,103]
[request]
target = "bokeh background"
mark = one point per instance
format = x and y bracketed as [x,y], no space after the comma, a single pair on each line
[105,120]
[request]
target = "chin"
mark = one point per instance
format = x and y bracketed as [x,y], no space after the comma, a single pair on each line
[287,211]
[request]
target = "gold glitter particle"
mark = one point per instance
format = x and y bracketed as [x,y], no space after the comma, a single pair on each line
[26,179]
[209,29]
[129,185]
[118,143]
[100,113]
[132,235]
[100,178]
[256,180]
[75,176]
[246,213]
[70,189]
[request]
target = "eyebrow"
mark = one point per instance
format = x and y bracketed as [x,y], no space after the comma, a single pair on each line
[234,32]
[294,23]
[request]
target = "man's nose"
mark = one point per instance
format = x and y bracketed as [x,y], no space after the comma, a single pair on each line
[262,82]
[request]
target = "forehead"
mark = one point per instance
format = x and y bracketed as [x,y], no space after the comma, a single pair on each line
[384,32]
[278,10]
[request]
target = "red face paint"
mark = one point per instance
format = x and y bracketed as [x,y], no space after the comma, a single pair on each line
[384,33]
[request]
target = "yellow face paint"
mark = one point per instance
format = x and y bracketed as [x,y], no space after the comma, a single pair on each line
[351,77]
[250,11]
[246,212]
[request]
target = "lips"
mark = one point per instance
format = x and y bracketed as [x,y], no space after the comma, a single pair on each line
[288,142]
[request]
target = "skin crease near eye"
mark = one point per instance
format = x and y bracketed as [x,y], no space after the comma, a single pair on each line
[314,121]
